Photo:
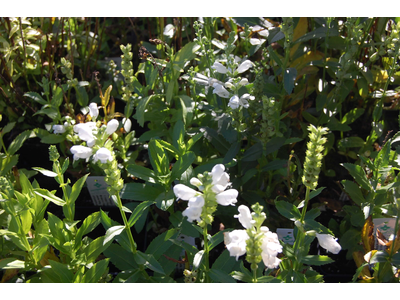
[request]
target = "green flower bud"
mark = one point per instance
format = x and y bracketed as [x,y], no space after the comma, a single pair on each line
[53,153]
[313,160]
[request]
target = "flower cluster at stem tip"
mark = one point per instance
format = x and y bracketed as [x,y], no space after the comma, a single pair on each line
[257,241]
[99,147]
[203,203]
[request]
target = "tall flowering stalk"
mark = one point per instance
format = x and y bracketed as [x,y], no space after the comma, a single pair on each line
[203,203]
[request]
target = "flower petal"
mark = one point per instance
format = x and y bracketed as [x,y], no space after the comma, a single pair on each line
[227,197]
[184,192]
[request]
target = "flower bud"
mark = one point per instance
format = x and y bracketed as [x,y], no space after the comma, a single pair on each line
[112,126]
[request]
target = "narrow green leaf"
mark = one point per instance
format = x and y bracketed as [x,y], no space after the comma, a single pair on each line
[36,97]
[289,78]
[111,232]
[138,212]
[49,196]
[316,260]
[45,172]
[142,173]
[90,223]
[288,210]
[148,261]
[62,271]
[359,175]
[18,141]
[94,274]
[353,190]
[76,188]
[220,276]
[11,263]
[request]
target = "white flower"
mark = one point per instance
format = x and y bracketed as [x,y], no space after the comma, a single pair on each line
[244,66]
[235,101]
[220,90]
[93,110]
[184,192]
[245,217]
[227,197]
[206,81]
[85,132]
[220,68]
[58,128]
[270,248]
[192,213]
[235,242]
[197,183]
[112,126]
[169,30]
[81,152]
[127,124]
[103,154]
[329,243]
[220,179]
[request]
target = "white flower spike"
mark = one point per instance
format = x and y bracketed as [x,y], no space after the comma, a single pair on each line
[81,152]
[103,154]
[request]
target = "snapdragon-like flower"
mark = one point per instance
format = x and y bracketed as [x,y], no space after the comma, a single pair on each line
[329,243]
[58,129]
[127,124]
[112,126]
[103,154]
[261,243]
[270,248]
[211,192]
[245,217]
[85,132]
[81,152]
[93,110]
[235,242]
[220,90]
[235,101]
[243,67]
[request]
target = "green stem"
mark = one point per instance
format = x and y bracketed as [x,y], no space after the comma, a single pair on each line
[127,228]
[206,254]
[300,234]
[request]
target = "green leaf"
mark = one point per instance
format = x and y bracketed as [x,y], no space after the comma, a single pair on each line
[81,96]
[7,128]
[57,98]
[351,142]
[165,200]
[7,163]
[253,153]
[289,78]
[225,262]
[141,192]
[242,277]
[316,260]
[49,196]
[142,173]
[76,189]
[148,261]
[138,212]
[111,232]
[36,97]
[274,144]
[62,272]
[220,276]
[45,172]
[182,164]
[268,279]
[94,274]
[275,165]
[215,240]
[353,190]
[52,139]
[95,248]
[161,243]
[120,257]
[90,223]
[18,141]
[11,263]
[352,115]
[316,192]
[158,158]
[140,109]
[359,175]
[275,57]
[288,210]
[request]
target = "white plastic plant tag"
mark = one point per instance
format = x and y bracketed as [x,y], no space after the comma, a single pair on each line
[386,227]
[285,235]
[98,191]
